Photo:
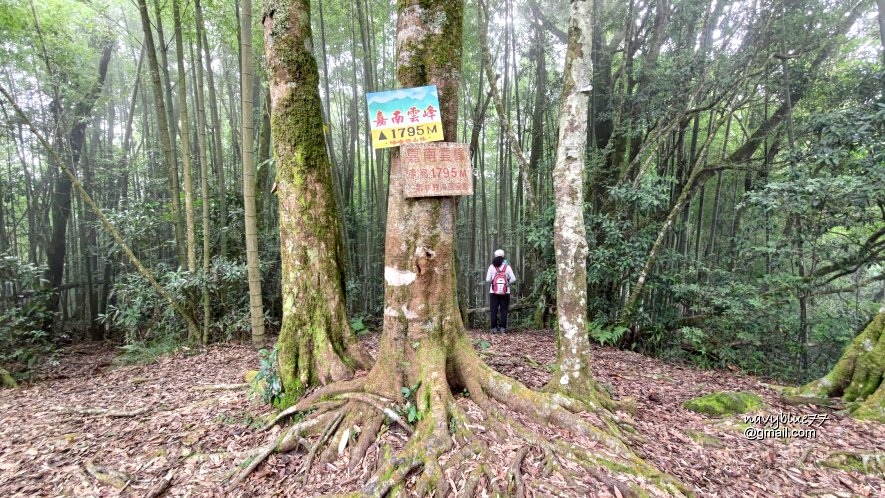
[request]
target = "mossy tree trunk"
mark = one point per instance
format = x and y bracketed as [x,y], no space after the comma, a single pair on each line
[316,345]
[858,375]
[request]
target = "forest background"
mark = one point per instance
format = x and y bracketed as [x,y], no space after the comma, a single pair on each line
[733,174]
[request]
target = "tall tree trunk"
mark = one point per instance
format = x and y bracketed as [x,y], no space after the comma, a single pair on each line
[61,196]
[263,181]
[163,131]
[512,139]
[217,150]
[88,243]
[4,237]
[30,198]
[859,373]
[573,373]
[183,127]
[256,307]
[169,104]
[204,172]
[880,4]
[537,134]
[316,345]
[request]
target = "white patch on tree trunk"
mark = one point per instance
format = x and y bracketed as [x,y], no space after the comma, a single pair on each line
[397,278]
[410,315]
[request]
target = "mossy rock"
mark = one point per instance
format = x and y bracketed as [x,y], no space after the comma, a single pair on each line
[7,380]
[872,464]
[724,403]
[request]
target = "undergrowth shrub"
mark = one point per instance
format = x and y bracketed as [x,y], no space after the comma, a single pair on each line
[142,318]
[145,352]
[268,376]
[23,342]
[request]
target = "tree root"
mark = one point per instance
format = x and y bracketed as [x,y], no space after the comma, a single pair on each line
[446,438]
[287,441]
[367,437]
[375,401]
[318,408]
[327,433]
[514,478]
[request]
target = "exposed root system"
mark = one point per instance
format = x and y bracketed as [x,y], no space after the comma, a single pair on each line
[352,416]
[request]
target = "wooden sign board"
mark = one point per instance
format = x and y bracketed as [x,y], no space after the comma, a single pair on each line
[436,169]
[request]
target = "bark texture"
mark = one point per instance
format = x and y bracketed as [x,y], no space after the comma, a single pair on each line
[256,307]
[858,375]
[573,373]
[316,344]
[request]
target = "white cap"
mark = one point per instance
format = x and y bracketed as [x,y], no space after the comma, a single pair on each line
[499,252]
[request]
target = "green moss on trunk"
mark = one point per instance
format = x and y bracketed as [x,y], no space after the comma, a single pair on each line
[857,376]
[316,345]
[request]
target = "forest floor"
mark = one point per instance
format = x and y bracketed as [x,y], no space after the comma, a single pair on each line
[48,440]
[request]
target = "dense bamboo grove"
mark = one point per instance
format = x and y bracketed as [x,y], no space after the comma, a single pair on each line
[732,174]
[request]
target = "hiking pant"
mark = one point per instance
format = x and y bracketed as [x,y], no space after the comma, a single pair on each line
[499,303]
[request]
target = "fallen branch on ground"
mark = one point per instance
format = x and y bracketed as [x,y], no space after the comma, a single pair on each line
[220,387]
[160,488]
[103,412]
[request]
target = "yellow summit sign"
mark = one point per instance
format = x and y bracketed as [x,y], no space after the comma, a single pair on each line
[408,115]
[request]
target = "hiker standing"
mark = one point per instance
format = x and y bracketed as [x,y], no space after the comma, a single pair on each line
[499,276]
